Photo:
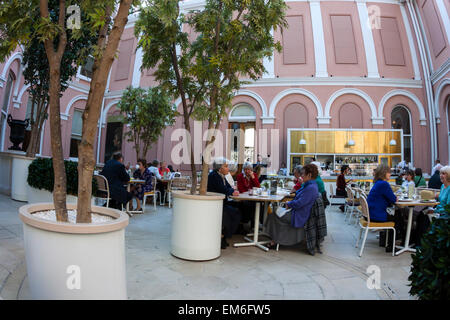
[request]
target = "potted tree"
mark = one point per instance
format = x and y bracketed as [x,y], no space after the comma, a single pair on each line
[147,112]
[77,258]
[36,75]
[233,38]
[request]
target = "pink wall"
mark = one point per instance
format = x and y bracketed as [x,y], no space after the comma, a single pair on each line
[435,32]
[335,69]
[392,12]
[299,69]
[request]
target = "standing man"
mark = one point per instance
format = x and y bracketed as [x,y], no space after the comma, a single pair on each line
[117,176]
[436,166]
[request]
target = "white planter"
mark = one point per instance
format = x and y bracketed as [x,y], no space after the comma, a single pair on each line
[19,174]
[40,195]
[196,225]
[75,261]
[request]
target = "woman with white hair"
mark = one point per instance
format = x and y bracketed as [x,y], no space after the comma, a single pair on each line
[444,194]
[218,183]
[247,181]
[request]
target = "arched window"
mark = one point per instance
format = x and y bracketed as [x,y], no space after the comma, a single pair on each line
[5,104]
[401,119]
[242,112]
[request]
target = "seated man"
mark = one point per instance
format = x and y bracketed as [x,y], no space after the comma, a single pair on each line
[217,183]
[117,176]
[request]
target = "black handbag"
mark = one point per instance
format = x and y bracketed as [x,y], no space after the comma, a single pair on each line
[325,199]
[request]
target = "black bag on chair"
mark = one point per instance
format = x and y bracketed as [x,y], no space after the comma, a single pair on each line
[325,200]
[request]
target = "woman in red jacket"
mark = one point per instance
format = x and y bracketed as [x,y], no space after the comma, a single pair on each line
[248,179]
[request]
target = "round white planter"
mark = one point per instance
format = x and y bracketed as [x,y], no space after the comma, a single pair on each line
[75,261]
[196,225]
[40,195]
[19,174]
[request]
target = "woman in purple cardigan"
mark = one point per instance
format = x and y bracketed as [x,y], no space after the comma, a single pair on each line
[288,229]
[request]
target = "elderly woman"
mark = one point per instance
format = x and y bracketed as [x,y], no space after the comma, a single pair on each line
[288,229]
[219,184]
[298,179]
[444,194]
[247,180]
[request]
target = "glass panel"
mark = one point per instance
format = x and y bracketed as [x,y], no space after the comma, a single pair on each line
[400,119]
[398,147]
[324,142]
[371,143]
[77,122]
[113,139]
[243,111]
[86,69]
[407,148]
[249,143]
[7,91]
[358,137]
[340,141]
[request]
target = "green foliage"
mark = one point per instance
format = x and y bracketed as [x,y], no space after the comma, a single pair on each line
[40,176]
[233,38]
[147,112]
[430,271]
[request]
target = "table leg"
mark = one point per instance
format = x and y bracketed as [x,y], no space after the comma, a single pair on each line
[408,234]
[255,241]
[127,207]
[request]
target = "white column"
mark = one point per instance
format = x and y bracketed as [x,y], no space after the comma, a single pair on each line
[369,45]
[269,64]
[319,41]
[137,68]
[444,16]
[412,48]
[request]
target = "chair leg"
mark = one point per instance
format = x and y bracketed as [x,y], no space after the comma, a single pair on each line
[359,237]
[278,246]
[364,242]
[393,244]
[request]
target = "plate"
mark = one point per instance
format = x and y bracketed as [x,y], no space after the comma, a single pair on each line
[427,201]
[405,200]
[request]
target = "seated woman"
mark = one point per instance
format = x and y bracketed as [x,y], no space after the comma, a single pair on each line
[380,198]
[298,179]
[288,230]
[409,179]
[444,194]
[419,180]
[218,183]
[142,173]
[246,181]
[341,183]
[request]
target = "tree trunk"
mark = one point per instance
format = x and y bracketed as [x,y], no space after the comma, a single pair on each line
[54,59]
[91,114]
[36,127]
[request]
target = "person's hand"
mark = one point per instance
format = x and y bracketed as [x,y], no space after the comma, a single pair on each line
[235,193]
[252,175]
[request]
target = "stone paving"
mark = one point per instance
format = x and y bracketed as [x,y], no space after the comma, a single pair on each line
[239,273]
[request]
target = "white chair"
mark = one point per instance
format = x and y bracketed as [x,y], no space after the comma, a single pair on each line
[334,196]
[177,183]
[153,194]
[103,187]
[350,204]
[376,226]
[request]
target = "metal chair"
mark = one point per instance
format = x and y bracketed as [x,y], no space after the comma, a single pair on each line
[334,196]
[366,225]
[350,203]
[177,183]
[153,194]
[103,187]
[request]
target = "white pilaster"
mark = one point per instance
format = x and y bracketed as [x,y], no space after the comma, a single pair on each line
[412,48]
[137,68]
[269,65]
[319,41]
[369,44]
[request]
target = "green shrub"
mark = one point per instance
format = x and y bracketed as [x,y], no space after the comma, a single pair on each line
[430,271]
[40,176]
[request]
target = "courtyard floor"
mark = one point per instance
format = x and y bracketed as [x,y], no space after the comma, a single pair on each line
[239,273]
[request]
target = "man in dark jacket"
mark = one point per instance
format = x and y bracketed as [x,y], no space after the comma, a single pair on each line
[117,176]
[435,181]
[217,183]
